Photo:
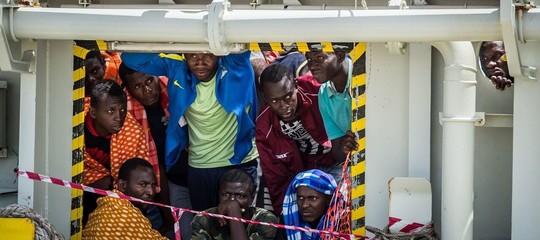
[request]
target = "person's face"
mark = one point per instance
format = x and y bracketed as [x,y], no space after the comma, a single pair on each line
[236,191]
[143,87]
[312,205]
[493,60]
[94,71]
[141,184]
[202,65]
[323,66]
[281,97]
[109,115]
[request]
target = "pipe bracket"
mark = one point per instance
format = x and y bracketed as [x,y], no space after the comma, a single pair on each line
[216,34]
[9,43]
[477,119]
[397,48]
[512,32]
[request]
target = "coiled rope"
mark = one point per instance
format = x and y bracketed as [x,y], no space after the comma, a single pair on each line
[426,232]
[43,228]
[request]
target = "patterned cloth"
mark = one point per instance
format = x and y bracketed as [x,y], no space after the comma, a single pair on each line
[112,64]
[207,228]
[116,218]
[139,113]
[316,180]
[130,142]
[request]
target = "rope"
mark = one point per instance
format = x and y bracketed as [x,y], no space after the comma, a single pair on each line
[426,232]
[43,229]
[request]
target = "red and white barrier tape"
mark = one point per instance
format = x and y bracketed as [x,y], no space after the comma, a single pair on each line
[177,212]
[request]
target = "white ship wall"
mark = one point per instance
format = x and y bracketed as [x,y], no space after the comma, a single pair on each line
[396,140]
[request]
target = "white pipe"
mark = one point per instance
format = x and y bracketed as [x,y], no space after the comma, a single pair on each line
[459,103]
[241,26]
[105,24]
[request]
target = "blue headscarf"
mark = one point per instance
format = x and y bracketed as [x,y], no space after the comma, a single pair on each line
[316,180]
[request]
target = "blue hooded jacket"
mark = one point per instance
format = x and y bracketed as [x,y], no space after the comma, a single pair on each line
[235,91]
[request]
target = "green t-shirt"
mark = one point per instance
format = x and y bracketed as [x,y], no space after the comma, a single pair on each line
[212,131]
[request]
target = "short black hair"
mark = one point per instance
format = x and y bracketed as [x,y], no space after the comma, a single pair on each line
[123,71]
[97,55]
[274,73]
[130,165]
[487,44]
[238,176]
[102,87]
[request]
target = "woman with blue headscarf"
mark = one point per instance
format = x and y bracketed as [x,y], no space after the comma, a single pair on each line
[306,202]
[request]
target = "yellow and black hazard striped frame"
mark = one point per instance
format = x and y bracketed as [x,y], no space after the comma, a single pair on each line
[302,46]
[80,49]
[358,127]
[358,88]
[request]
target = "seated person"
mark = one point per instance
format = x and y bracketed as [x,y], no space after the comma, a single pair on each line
[236,191]
[147,101]
[306,203]
[494,65]
[116,218]
[290,132]
[111,136]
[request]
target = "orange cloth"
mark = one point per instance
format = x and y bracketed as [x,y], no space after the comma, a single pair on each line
[112,64]
[130,142]
[139,113]
[116,218]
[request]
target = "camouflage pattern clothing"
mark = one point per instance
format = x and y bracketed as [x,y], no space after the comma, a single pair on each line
[207,228]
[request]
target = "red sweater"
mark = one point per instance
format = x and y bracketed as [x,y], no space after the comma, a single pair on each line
[279,155]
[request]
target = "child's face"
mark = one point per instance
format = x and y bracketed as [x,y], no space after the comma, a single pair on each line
[323,66]
[202,65]
[109,115]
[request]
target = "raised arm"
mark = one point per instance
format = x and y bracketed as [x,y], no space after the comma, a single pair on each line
[157,64]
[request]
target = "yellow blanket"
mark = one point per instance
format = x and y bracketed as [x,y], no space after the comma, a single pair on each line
[116,218]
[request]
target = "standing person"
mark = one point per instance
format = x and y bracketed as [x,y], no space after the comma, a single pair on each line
[205,104]
[236,192]
[494,64]
[290,131]
[116,218]
[147,101]
[306,203]
[334,71]
[111,136]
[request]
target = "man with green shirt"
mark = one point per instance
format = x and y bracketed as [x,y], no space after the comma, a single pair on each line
[207,112]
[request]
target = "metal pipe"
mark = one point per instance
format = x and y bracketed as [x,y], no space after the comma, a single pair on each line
[459,103]
[111,24]
[242,26]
